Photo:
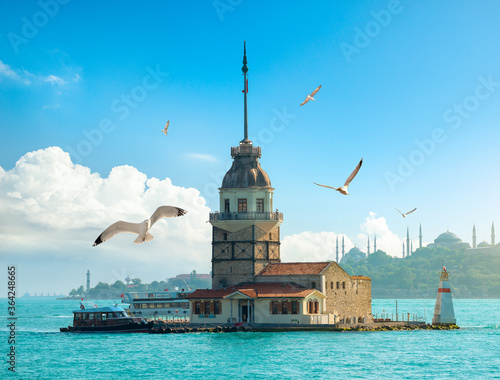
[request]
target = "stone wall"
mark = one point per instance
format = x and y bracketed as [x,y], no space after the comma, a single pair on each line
[238,256]
[347,297]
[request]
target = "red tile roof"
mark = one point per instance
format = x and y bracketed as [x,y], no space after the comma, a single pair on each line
[256,290]
[361,278]
[281,269]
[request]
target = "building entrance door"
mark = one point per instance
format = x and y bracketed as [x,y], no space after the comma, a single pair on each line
[246,312]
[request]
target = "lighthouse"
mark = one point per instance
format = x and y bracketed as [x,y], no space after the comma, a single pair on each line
[443,312]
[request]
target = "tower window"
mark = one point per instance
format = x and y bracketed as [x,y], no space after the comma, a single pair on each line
[260,204]
[226,205]
[242,205]
[225,236]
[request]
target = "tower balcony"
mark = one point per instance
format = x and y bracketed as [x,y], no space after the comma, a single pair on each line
[245,148]
[224,216]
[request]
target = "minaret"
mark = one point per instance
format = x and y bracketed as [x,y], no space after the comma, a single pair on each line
[407,241]
[443,311]
[88,280]
[492,234]
[420,237]
[411,252]
[403,250]
[337,251]
[368,248]
[474,245]
[246,231]
[343,250]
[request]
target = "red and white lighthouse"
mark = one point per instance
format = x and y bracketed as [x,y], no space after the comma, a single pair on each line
[443,312]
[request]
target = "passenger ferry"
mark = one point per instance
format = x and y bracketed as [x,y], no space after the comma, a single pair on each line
[112,319]
[170,307]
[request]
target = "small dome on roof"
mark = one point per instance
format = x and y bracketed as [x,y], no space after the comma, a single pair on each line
[483,244]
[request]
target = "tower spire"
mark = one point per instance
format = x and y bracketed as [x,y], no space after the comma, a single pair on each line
[492,233]
[245,91]
[368,248]
[374,243]
[403,250]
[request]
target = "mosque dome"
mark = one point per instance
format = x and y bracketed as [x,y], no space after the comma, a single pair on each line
[483,244]
[355,254]
[447,237]
[246,170]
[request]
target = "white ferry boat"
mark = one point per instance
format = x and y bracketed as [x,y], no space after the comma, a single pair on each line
[159,306]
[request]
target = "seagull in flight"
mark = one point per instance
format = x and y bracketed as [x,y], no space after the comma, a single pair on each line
[142,229]
[310,97]
[404,215]
[343,190]
[165,130]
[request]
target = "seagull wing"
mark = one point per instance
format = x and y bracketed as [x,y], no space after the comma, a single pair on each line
[315,91]
[399,212]
[305,101]
[334,188]
[166,125]
[409,212]
[353,174]
[117,228]
[166,212]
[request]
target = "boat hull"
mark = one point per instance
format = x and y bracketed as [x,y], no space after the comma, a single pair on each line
[132,327]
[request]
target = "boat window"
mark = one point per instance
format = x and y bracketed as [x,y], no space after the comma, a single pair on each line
[91,315]
[85,316]
[116,315]
[144,305]
[78,316]
[104,315]
[97,315]
[124,314]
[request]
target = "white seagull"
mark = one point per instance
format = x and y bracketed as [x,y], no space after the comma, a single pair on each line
[343,190]
[310,97]
[142,229]
[404,215]
[165,130]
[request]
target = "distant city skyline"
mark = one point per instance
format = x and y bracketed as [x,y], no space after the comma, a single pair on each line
[409,87]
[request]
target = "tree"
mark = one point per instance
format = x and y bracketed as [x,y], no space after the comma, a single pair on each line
[136,281]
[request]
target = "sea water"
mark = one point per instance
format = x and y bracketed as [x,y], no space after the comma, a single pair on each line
[42,352]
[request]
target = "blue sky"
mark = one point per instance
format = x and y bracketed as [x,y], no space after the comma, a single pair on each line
[412,87]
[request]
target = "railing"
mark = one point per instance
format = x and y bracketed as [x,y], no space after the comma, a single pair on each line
[242,149]
[218,216]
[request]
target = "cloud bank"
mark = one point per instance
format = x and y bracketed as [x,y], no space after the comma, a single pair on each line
[53,209]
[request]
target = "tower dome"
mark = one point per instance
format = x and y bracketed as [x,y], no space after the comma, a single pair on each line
[246,170]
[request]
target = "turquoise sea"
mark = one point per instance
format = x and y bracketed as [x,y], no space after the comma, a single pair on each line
[42,352]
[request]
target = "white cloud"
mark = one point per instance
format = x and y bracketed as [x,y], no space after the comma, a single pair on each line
[51,107]
[387,240]
[54,209]
[52,79]
[27,78]
[7,71]
[321,246]
[312,246]
[201,157]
